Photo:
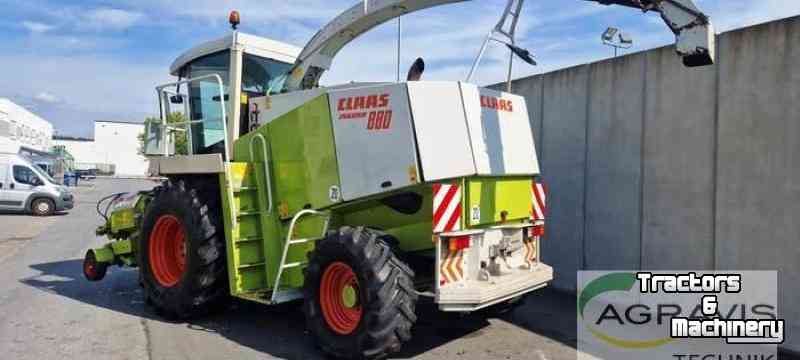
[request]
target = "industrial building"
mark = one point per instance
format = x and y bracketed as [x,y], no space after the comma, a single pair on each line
[114,150]
[21,129]
[23,132]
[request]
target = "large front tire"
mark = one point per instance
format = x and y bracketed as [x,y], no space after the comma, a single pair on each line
[359,297]
[181,251]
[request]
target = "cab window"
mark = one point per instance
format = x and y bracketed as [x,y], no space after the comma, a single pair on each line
[259,74]
[204,99]
[260,77]
[24,175]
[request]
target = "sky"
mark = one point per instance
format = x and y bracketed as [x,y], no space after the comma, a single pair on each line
[76,61]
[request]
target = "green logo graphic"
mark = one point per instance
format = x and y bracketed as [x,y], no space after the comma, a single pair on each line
[609,283]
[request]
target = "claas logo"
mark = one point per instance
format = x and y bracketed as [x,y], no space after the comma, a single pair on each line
[363,102]
[491,102]
[374,108]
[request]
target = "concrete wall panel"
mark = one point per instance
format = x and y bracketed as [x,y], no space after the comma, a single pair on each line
[652,165]
[563,164]
[613,182]
[758,199]
[678,171]
[531,89]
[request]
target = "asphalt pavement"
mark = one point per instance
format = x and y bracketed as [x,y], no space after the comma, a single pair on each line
[48,310]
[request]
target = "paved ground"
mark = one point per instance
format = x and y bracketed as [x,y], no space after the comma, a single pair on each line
[47,309]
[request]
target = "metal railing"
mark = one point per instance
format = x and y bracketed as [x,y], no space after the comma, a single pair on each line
[163,90]
[267,174]
[289,242]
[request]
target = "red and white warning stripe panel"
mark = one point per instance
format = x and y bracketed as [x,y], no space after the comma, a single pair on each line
[539,199]
[446,207]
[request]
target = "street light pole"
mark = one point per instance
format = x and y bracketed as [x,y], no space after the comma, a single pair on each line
[399,34]
[617,39]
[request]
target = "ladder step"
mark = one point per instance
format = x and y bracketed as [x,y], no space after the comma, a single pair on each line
[294,265]
[248,213]
[248,240]
[300,241]
[250,266]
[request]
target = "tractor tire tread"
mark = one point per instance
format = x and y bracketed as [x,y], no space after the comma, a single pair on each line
[391,300]
[204,287]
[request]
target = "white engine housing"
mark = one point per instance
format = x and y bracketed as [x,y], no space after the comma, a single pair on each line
[394,135]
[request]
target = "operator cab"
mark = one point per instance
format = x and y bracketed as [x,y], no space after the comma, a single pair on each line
[258,65]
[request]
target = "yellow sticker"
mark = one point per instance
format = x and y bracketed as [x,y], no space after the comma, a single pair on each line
[244,99]
[412,174]
[297,73]
[283,209]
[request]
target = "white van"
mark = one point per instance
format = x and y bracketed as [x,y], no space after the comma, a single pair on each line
[25,187]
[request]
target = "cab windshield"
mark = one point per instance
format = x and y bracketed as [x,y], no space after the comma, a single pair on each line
[38,171]
[44,174]
[259,75]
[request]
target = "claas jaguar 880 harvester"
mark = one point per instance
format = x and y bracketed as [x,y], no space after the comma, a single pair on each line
[358,198]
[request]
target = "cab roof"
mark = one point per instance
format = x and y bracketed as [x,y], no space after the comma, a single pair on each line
[252,44]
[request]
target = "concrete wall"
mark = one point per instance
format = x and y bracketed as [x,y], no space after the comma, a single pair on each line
[652,165]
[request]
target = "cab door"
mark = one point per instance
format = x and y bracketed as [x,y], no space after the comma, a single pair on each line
[23,183]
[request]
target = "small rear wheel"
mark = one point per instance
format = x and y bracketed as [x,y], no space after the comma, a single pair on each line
[93,270]
[359,297]
[43,207]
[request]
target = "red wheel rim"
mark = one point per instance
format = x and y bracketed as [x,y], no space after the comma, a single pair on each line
[339,283]
[167,251]
[90,268]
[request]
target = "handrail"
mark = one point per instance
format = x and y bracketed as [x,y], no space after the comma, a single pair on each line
[288,243]
[266,167]
[187,124]
[160,88]
[226,167]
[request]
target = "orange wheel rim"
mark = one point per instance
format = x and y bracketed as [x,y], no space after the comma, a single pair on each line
[167,251]
[339,283]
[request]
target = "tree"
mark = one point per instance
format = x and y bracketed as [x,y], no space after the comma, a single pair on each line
[181,143]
